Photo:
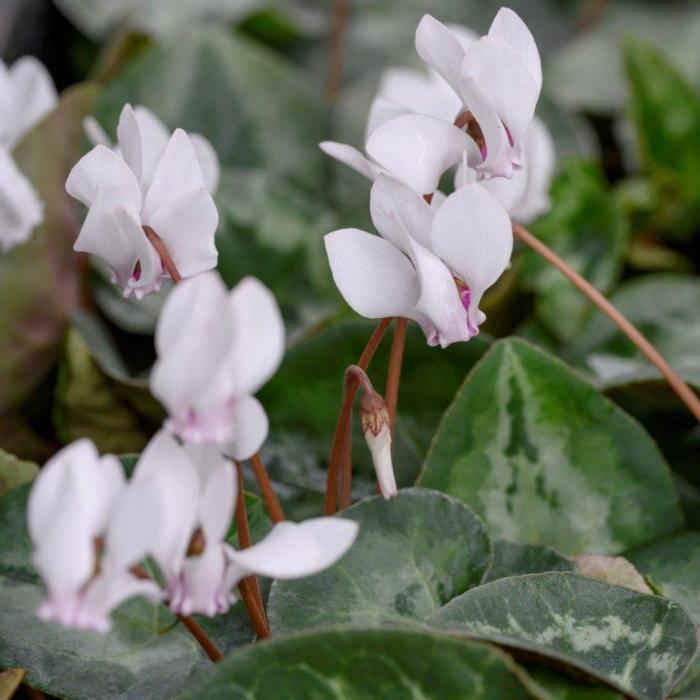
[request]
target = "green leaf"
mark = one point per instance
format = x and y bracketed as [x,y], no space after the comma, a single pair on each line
[640,644]
[257,108]
[146,654]
[666,113]
[545,459]
[515,558]
[666,309]
[359,664]
[413,554]
[39,279]
[561,687]
[587,228]
[14,472]
[311,376]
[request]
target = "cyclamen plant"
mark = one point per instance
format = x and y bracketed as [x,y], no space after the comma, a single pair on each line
[164,531]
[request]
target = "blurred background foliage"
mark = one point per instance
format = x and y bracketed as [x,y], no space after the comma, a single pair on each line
[621,98]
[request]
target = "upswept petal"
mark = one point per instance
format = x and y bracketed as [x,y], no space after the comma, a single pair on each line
[293,550]
[34,94]
[539,169]
[418,149]
[217,499]
[98,168]
[472,234]
[177,173]
[187,225]
[500,73]
[154,137]
[95,134]
[351,157]
[21,210]
[129,140]
[509,27]
[440,49]
[258,334]
[202,579]
[508,191]
[397,211]
[208,161]
[249,428]
[381,110]
[375,278]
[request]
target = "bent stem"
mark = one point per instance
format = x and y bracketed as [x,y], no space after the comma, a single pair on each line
[249,586]
[393,378]
[334,77]
[341,437]
[274,508]
[157,242]
[684,392]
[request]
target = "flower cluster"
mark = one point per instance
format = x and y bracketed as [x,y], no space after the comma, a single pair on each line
[151,181]
[91,529]
[27,95]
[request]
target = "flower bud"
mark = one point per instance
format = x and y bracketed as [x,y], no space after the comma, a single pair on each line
[374,419]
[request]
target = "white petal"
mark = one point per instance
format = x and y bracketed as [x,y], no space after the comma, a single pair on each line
[295,550]
[466,174]
[112,232]
[380,447]
[418,149]
[101,167]
[34,93]
[381,110]
[129,140]
[351,157]
[440,49]
[217,501]
[501,74]
[375,278]
[208,161]
[258,340]
[508,191]
[21,210]
[250,426]
[540,160]
[178,173]
[509,27]
[472,234]
[397,211]
[187,225]
[202,583]
[95,134]
[154,137]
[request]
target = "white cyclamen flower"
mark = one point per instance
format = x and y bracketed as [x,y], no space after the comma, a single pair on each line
[429,266]
[134,188]
[21,210]
[215,350]
[154,137]
[88,530]
[497,80]
[27,95]
[197,490]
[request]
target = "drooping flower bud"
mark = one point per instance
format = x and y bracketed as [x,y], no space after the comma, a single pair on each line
[374,419]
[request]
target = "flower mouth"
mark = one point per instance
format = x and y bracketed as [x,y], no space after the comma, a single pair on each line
[467,121]
[464,292]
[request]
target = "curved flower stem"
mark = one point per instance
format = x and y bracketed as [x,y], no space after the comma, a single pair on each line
[684,392]
[334,77]
[342,428]
[193,627]
[162,250]
[272,503]
[249,586]
[393,378]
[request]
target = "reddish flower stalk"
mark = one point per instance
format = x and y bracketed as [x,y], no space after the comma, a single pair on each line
[274,508]
[341,437]
[157,242]
[393,378]
[249,586]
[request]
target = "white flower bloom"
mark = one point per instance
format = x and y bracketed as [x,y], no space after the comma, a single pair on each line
[376,426]
[215,350]
[88,530]
[429,266]
[143,187]
[21,210]
[154,137]
[27,95]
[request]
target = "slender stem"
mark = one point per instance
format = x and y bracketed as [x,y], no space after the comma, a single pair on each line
[393,378]
[249,586]
[162,250]
[274,508]
[193,627]
[334,77]
[684,392]
[208,646]
[345,500]
[342,428]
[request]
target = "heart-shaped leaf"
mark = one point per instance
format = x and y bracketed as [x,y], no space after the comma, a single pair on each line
[545,459]
[413,554]
[515,558]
